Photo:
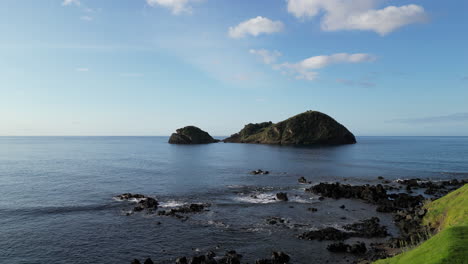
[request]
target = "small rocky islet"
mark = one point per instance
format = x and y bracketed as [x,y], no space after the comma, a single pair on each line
[308,128]
[394,197]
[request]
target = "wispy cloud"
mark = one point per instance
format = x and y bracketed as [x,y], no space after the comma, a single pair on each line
[255,26]
[306,69]
[81,69]
[268,57]
[358,14]
[465,78]
[366,84]
[457,117]
[176,6]
[71,2]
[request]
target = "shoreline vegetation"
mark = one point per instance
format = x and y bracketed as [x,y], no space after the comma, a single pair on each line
[432,228]
[448,218]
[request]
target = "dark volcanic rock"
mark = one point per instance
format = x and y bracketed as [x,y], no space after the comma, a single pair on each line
[148,261]
[127,196]
[357,248]
[147,203]
[182,260]
[372,194]
[191,135]
[276,258]
[177,212]
[368,228]
[308,128]
[143,202]
[231,257]
[136,261]
[302,180]
[328,233]
[259,171]
[282,196]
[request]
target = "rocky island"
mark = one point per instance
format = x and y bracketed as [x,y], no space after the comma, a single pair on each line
[191,135]
[308,128]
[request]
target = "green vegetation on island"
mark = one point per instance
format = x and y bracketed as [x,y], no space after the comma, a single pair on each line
[191,135]
[308,128]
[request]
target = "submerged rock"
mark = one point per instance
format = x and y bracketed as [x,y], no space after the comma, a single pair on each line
[128,196]
[282,196]
[188,209]
[259,171]
[368,228]
[143,202]
[191,135]
[308,128]
[302,180]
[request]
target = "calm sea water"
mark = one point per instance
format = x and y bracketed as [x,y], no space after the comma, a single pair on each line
[56,201]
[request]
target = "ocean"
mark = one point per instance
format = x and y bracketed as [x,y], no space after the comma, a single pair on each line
[58,203]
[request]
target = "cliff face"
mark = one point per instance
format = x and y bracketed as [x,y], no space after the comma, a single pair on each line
[191,135]
[308,128]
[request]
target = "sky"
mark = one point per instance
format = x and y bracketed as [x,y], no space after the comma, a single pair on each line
[148,67]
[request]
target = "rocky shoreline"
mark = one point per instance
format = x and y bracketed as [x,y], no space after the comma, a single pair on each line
[403,199]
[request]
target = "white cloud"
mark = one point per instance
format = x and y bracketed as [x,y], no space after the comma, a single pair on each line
[71,2]
[82,69]
[358,14]
[177,6]
[305,70]
[255,27]
[268,57]
[86,18]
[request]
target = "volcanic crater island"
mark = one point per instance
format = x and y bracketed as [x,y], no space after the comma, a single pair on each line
[402,221]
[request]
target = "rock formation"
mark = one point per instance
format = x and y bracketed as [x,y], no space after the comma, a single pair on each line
[308,128]
[191,135]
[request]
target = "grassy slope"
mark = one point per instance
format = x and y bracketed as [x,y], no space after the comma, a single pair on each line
[448,214]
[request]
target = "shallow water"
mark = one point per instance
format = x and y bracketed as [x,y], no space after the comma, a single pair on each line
[57,203]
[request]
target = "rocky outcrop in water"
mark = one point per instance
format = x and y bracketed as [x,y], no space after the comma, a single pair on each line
[178,212]
[259,171]
[143,202]
[367,228]
[281,196]
[308,128]
[191,135]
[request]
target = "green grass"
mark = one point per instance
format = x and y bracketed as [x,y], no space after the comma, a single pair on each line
[449,215]
[448,211]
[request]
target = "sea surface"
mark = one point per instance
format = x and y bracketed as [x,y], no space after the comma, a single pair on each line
[57,202]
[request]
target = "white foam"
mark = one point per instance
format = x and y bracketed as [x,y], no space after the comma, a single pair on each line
[133,200]
[298,199]
[262,198]
[171,203]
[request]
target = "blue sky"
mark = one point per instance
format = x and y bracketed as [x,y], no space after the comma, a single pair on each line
[147,67]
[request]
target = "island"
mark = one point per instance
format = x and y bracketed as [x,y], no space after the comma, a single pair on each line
[308,128]
[191,135]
